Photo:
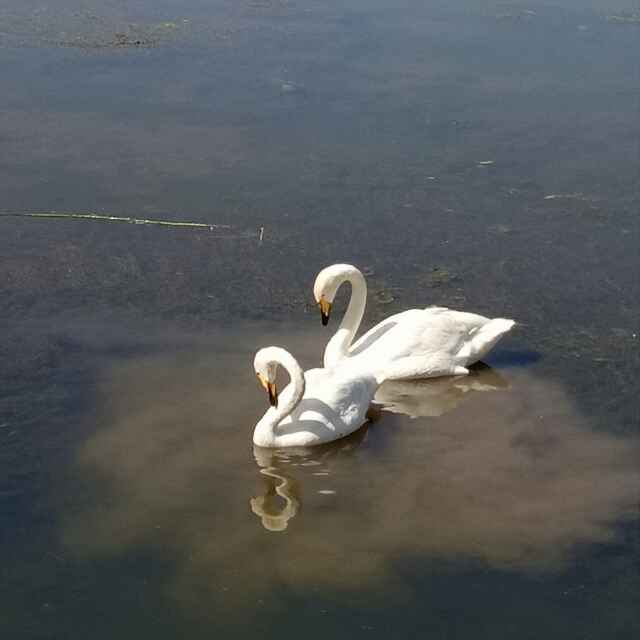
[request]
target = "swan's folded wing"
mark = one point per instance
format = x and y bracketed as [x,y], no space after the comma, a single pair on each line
[426,343]
[397,334]
[351,395]
[369,339]
[425,346]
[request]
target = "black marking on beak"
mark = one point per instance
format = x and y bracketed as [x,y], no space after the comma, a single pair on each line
[273,394]
[325,310]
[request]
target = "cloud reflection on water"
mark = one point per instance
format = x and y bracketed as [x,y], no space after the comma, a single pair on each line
[515,479]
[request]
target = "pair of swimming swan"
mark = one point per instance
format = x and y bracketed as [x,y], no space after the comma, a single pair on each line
[321,405]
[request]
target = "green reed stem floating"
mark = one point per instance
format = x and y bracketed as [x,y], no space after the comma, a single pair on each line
[105,218]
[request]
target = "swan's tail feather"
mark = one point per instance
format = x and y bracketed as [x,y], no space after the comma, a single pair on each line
[484,339]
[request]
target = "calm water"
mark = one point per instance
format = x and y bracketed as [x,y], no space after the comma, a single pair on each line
[484,157]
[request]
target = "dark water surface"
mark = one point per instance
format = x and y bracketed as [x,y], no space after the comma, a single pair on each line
[479,155]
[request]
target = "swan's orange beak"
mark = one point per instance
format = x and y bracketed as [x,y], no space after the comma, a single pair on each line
[325,310]
[270,388]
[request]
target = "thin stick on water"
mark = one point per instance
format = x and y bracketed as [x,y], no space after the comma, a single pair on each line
[261,235]
[106,218]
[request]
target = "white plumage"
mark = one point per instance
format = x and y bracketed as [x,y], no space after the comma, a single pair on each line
[418,343]
[317,406]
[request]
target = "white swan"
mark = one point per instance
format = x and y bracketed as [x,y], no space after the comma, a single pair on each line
[317,406]
[418,343]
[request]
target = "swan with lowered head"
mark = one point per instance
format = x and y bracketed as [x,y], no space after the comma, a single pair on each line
[317,406]
[417,343]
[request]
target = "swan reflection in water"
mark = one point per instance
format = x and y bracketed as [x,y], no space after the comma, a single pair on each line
[273,516]
[276,464]
[433,397]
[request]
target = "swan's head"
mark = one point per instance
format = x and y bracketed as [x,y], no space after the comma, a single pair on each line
[327,283]
[265,365]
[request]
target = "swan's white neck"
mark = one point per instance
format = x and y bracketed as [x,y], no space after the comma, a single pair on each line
[265,433]
[338,347]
